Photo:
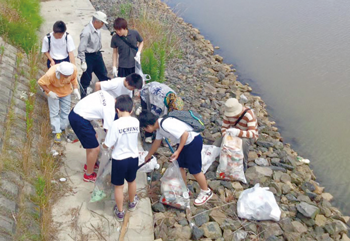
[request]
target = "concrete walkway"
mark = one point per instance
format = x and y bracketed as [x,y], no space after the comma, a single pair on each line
[75,217]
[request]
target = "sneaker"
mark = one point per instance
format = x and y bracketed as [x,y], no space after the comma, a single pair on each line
[148,140]
[90,178]
[119,215]
[95,167]
[203,197]
[132,205]
[58,138]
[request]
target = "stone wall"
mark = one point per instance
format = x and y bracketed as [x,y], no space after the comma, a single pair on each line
[14,91]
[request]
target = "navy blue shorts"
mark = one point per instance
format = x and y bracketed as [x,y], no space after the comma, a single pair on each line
[191,157]
[124,169]
[84,130]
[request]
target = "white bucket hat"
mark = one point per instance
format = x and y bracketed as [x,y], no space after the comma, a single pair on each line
[100,16]
[233,107]
[64,68]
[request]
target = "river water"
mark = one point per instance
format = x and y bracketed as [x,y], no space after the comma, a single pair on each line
[296,56]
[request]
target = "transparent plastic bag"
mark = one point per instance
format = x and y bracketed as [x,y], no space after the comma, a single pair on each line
[138,70]
[173,188]
[231,159]
[150,166]
[209,154]
[258,203]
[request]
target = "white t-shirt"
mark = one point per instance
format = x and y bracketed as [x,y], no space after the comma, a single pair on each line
[173,129]
[115,87]
[123,136]
[59,48]
[96,106]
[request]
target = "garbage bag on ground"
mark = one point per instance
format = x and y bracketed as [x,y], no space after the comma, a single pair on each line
[258,203]
[209,154]
[173,188]
[231,159]
[150,166]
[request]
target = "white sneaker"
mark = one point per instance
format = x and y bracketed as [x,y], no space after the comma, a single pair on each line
[203,197]
[148,139]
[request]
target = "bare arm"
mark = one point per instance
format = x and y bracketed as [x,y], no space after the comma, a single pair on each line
[71,57]
[140,47]
[183,140]
[50,58]
[154,148]
[115,57]
[97,86]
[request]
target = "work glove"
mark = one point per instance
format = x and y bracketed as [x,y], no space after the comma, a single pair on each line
[83,66]
[115,71]
[138,57]
[138,110]
[76,94]
[233,131]
[53,95]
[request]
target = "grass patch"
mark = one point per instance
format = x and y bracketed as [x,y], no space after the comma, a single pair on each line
[19,22]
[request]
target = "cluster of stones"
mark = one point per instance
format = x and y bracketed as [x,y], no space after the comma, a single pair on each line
[205,83]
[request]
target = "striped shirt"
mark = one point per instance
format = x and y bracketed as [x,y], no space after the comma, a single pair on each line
[248,125]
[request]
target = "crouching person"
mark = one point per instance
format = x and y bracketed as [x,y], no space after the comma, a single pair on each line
[96,106]
[123,137]
[188,153]
[241,122]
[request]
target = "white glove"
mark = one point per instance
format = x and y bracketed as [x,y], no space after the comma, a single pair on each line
[83,66]
[138,57]
[77,94]
[233,131]
[138,110]
[53,95]
[115,71]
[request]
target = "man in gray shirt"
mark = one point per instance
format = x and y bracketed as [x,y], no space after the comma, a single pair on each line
[128,44]
[89,51]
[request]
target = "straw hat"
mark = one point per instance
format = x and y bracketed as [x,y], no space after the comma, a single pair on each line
[100,16]
[233,107]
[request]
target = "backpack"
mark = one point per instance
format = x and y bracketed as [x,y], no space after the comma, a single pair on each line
[190,117]
[49,38]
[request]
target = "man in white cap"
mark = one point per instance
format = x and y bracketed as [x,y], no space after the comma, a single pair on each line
[57,84]
[89,51]
[242,123]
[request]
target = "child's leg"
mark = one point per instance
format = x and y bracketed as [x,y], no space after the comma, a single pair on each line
[202,181]
[132,190]
[91,157]
[119,196]
[183,174]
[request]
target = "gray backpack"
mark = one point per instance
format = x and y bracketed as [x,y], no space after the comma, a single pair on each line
[190,117]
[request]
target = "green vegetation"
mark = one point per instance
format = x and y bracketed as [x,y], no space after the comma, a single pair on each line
[19,22]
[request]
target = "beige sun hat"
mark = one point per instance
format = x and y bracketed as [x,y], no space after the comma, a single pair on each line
[100,16]
[233,107]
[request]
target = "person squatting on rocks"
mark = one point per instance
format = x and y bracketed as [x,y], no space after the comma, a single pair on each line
[58,46]
[160,99]
[123,138]
[89,51]
[127,46]
[188,153]
[57,84]
[246,128]
[96,106]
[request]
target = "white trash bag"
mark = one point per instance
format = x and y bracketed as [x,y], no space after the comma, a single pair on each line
[173,189]
[257,203]
[231,159]
[209,154]
[150,166]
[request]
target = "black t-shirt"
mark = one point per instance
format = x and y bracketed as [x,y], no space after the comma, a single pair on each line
[126,54]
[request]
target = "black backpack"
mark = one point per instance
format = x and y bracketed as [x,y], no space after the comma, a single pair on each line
[190,117]
[49,38]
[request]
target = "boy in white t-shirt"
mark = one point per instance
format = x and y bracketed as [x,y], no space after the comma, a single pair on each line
[96,106]
[123,136]
[188,153]
[58,45]
[121,86]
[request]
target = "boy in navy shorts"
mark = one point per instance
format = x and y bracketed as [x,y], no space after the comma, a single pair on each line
[96,106]
[123,137]
[188,153]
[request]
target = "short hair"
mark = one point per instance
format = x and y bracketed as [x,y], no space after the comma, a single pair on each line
[120,23]
[124,103]
[134,80]
[147,118]
[59,27]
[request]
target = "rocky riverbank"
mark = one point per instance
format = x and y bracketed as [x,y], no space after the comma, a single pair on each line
[205,82]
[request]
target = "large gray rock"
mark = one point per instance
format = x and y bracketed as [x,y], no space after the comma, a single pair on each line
[197,233]
[212,230]
[255,174]
[201,219]
[336,227]
[158,207]
[308,210]
[230,224]
[270,229]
